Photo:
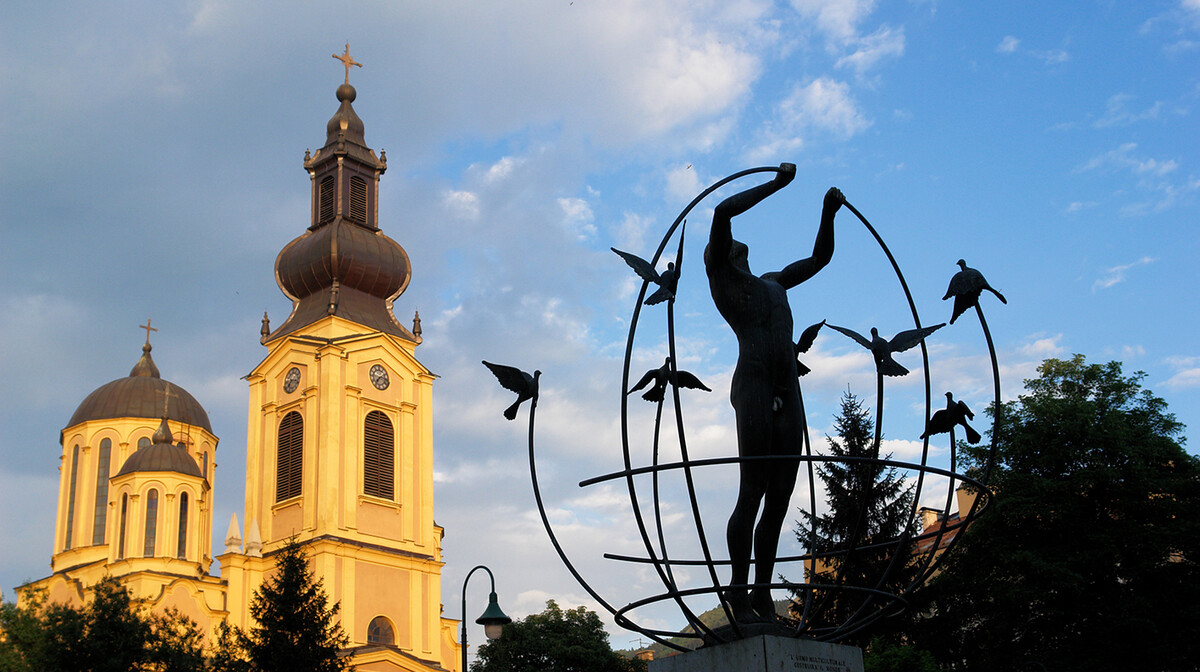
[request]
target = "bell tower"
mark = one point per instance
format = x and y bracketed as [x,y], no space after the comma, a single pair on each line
[339,445]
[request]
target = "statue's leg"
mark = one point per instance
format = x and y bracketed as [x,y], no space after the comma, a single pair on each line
[753,417]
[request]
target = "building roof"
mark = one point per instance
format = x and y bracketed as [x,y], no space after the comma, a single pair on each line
[143,394]
[162,455]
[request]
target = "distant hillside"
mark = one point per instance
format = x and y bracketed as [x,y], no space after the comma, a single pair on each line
[713,618]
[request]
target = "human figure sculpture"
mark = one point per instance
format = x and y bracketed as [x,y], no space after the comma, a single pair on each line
[765,391]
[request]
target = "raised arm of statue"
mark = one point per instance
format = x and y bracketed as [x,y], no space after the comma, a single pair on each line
[798,271]
[720,237]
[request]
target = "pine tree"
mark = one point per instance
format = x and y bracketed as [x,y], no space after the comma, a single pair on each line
[297,628]
[868,505]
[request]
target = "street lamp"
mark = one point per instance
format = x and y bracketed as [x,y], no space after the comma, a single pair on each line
[493,619]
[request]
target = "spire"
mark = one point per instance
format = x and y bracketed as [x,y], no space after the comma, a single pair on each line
[163,433]
[253,540]
[145,367]
[233,538]
[343,265]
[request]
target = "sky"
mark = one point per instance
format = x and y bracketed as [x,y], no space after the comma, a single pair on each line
[153,168]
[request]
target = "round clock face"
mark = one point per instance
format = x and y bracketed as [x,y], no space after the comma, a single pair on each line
[379,377]
[292,380]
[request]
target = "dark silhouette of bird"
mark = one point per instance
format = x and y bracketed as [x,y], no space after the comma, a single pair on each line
[806,340]
[882,349]
[660,377]
[516,380]
[666,281]
[965,287]
[955,413]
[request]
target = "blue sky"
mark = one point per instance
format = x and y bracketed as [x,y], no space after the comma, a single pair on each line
[153,168]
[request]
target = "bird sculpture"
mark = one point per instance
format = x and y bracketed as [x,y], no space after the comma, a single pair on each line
[965,287]
[955,413]
[658,378]
[883,349]
[666,281]
[516,380]
[806,340]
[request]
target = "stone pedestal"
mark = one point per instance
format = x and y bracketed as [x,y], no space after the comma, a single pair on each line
[765,653]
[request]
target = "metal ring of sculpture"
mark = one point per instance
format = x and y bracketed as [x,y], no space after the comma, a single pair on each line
[878,603]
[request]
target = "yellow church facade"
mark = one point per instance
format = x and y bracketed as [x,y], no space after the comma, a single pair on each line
[339,449]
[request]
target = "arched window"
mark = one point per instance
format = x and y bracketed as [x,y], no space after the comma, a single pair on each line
[181,548]
[143,442]
[326,200]
[358,199]
[289,458]
[71,497]
[380,631]
[204,464]
[151,523]
[379,456]
[121,536]
[100,516]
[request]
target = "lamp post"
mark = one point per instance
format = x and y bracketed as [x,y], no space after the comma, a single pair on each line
[493,619]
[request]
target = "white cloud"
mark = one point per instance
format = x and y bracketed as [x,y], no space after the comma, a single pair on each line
[1116,112]
[1008,45]
[683,183]
[1187,372]
[839,19]
[462,204]
[1117,274]
[883,43]
[578,217]
[823,105]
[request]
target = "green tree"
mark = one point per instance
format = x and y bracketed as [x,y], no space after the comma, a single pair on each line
[111,633]
[1087,557]
[297,628]
[868,504]
[554,641]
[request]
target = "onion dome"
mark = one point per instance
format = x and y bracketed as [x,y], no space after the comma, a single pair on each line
[162,455]
[343,265]
[141,395]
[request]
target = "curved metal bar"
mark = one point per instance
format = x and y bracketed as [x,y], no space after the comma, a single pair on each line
[537,495]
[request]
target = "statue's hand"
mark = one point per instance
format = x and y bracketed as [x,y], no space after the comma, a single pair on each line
[834,198]
[787,173]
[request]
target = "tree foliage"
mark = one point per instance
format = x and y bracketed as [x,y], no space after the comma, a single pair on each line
[111,633]
[1088,557]
[554,641]
[296,627]
[868,504]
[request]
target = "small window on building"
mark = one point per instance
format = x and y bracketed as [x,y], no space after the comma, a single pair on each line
[100,516]
[71,497]
[181,547]
[143,442]
[379,456]
[204,464]
[380,631]
[289,457]
[326,200]
[358,199]
[151,523]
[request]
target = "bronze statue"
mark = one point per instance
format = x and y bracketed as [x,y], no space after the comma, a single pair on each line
[765,391]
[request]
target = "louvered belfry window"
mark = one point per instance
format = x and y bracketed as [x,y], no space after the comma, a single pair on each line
[358,199]
[289,458]
[326,200]
[379,456]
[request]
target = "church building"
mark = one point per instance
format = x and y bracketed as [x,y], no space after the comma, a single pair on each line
[339,448]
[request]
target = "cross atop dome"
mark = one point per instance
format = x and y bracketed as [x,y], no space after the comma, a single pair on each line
[347,61]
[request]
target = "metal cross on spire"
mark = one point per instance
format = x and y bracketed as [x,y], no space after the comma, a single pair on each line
[347,61]
[148,329]
[167,393]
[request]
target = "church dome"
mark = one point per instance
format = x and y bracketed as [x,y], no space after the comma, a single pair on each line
[162,455]
[141,395]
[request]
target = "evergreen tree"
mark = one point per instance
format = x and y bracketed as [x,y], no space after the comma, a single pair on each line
[297,628]
[554,641]
[1088,557]
[868,505]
